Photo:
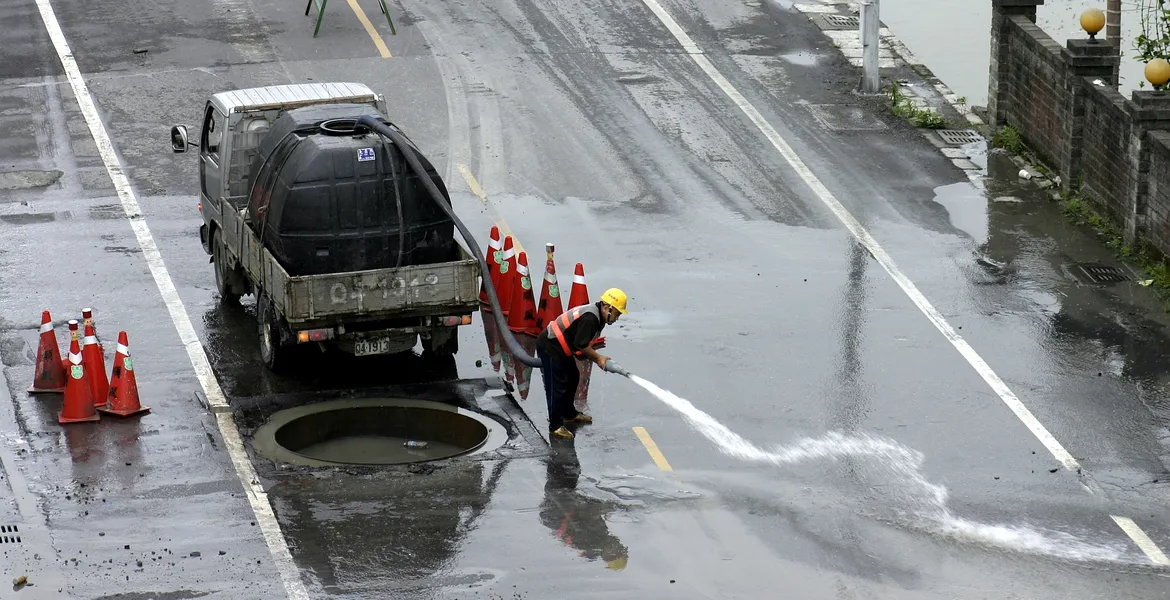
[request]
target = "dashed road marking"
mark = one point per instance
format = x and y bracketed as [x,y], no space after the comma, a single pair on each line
[374,35]
[652,448]
[1142,540]
[863,236]
[265,516]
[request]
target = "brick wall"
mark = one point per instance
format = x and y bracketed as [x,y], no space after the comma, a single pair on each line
[1105,148]
[1158,199]
[1113,150]
[1035,86]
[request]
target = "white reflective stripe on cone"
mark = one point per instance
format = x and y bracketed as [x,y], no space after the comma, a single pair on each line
[46,327]
[89,339]
[75,358]
[579,279]
[123,350]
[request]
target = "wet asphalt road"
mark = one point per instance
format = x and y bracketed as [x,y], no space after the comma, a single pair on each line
[588,127]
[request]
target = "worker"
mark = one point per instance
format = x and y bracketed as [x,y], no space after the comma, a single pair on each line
[566,338]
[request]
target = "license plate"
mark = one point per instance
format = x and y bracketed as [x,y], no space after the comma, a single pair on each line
[367,346]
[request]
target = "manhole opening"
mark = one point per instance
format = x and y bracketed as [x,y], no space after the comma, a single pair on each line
[9,534]
[843,21]
[958,137]
[376,432]
[1099,273]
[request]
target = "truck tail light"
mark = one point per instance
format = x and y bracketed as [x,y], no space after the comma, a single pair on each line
[456,320]
[200,207]
[314,335]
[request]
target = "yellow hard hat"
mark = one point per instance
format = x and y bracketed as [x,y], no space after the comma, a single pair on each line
[615,298]
[617,564]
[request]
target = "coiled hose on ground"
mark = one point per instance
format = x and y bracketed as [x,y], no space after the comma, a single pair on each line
[416,166]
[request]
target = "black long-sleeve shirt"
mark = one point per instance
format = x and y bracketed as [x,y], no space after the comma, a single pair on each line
[583,331]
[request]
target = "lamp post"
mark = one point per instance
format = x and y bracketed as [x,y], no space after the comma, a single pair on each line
[871,81]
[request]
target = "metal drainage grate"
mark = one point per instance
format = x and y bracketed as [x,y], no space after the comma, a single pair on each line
[9,534]
[843,21]
[1098,273]
[958,137]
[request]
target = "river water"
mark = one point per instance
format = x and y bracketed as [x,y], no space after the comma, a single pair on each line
[953,37]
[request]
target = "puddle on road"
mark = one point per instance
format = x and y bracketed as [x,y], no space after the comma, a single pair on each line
[802,58]
[967,207]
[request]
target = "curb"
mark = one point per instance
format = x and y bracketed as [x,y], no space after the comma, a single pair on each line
[839,21]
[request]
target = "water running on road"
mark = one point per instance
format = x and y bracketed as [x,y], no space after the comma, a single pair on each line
[905,466]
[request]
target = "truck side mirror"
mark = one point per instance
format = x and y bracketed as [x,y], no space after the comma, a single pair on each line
[179,138]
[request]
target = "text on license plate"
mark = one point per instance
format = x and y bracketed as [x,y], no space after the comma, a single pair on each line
[367,346]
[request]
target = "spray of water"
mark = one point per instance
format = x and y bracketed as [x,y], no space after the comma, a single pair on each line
[900,463]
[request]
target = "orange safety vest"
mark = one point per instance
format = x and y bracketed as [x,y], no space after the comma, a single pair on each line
[561,324]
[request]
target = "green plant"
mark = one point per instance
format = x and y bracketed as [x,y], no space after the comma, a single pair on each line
[902,106]
[1009,139]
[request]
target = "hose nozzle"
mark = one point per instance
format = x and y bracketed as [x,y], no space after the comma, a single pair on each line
[613,367]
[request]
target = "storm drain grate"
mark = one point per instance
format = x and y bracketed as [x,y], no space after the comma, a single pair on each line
[1099,273]
[958,137]
[843,21]
[9,534]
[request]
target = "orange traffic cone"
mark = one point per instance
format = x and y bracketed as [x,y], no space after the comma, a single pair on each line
[522,316]
[50,374]
[522,321]
[95,366]
[550,306]
[507,275]
[123,396]
[87,321]
[578,293]
[78,406]
[578,296]
[493,261]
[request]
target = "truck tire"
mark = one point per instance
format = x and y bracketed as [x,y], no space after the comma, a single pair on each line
[272,349]
[448,342]
[224,277]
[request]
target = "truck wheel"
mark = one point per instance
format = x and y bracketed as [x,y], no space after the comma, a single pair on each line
[447,339]
[223,276]
[272,351]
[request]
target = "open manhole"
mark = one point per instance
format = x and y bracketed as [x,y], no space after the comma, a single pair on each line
[9,534]
[376,431]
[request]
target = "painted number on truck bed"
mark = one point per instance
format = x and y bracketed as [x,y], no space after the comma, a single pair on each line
[365,154]
[398,287]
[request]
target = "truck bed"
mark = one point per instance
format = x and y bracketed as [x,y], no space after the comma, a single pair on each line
[448,288]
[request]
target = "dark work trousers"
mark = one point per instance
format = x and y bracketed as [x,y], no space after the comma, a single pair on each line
[560,385]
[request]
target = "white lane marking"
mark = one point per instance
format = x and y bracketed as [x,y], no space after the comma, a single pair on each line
[1142,540]
[867,240]
[879,253]
[265,517]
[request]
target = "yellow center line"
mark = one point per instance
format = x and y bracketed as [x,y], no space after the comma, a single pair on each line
[374,35]
[505,231]
[652,448]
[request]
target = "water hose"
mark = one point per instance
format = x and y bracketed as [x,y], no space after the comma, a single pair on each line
[416,166]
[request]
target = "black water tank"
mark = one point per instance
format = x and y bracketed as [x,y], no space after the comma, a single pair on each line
[323,197]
